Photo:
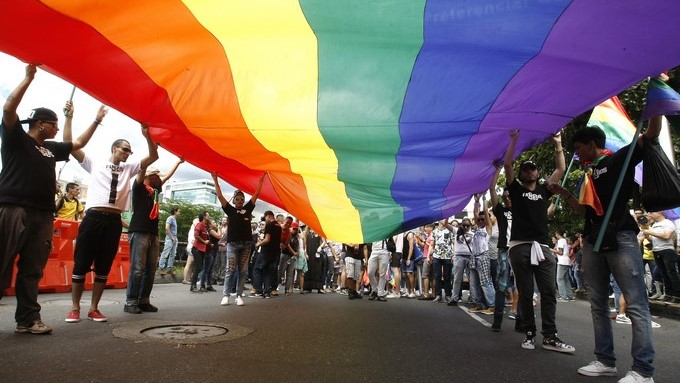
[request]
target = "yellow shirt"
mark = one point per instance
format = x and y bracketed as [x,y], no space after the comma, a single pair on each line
[70,209]
[647,254]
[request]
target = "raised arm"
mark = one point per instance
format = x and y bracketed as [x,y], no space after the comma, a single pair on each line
[67,134]
[507,162]
[9,109]
[172,171]
[494,181]
[253,199]
[153,148]
[489,222]
[653,129]
[560,165]
[218,189]
[84,138]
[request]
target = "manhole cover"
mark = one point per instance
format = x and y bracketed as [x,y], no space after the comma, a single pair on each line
[183,332]
[180,332]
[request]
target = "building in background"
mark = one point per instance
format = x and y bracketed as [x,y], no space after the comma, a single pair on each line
[199,192]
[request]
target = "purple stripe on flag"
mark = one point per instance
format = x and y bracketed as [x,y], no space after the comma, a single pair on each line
[527,102]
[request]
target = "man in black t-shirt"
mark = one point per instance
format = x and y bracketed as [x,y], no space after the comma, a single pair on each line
[143,238]
[270,251]
[530,255]
[625,264]
[239,237]
[27,189]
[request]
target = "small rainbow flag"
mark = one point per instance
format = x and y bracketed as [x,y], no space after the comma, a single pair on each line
[587,195]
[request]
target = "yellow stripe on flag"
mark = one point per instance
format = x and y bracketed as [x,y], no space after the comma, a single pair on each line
[272,52]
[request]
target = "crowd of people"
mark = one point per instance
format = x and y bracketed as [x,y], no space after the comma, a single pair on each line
[504,253]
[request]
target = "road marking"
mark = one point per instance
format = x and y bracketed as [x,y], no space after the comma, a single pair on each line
[475,316]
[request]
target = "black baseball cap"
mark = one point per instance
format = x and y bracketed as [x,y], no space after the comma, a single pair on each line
[528,165]
[41,114]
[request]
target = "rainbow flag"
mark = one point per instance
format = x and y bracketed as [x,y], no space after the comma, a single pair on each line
[661,100]
[612,118]
[587,195]
[369,117]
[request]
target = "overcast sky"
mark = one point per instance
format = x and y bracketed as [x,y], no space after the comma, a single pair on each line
[52,92]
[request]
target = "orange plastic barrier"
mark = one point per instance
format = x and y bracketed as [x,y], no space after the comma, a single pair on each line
[59,268]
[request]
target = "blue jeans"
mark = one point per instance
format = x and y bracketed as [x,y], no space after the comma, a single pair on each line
[563,284]
[265,273]
[168,254]
[442,267]
[626,266]
[502,282]
[143,257]
[208,262]
[238,254]
[461,262]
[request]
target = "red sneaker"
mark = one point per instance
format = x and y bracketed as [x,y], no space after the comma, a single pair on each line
[73,316]
[97,316]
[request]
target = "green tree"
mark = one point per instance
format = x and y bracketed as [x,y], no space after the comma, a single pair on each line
[188,212]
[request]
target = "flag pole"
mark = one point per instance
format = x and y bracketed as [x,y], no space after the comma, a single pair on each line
[564,180]
[73,91]
[617,188]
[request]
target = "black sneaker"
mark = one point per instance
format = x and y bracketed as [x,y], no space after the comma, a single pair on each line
[529,341]
[553,343]
[210,288]
[148,307]
[452,302]
[372,296]
[381,299]
[132,309]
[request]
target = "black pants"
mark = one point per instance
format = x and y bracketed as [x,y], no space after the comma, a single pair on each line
[199,257]
[667,262]
[544,273]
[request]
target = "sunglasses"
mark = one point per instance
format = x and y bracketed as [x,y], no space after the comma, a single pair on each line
[465,225]
[239,199]
[126,150]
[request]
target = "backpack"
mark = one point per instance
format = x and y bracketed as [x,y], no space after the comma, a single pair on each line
[390,245]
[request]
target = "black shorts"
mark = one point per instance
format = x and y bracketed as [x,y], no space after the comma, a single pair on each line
[97,244]
[395,259]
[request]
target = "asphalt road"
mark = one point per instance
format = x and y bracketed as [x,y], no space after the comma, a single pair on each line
[309,338]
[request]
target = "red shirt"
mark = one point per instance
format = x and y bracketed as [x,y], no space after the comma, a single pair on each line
[200,231]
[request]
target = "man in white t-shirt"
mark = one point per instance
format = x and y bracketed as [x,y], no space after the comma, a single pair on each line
[99,233]
[662,235]
[561,251]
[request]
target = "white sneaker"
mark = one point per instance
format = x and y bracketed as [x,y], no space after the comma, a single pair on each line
[597,369]
[622,318]
[436,299]
[655,325]
[225,301]
[239,301]
[411,296]
[393,295]
[634,377]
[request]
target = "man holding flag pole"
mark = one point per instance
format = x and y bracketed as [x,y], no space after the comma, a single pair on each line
[618,251]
